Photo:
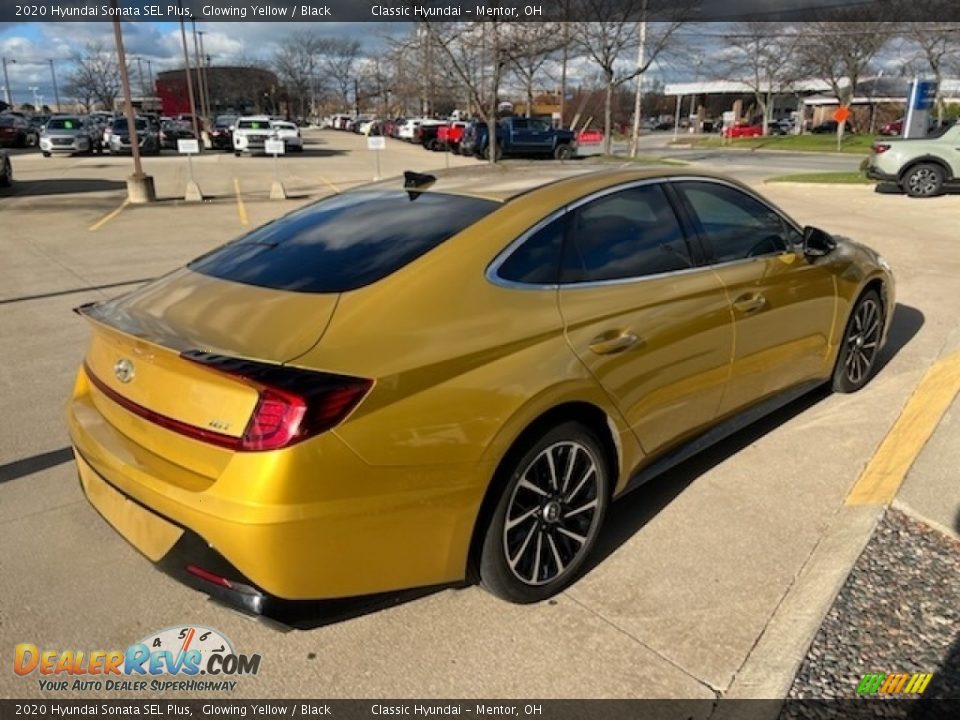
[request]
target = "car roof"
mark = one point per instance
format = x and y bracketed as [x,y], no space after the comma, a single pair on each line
[562,182]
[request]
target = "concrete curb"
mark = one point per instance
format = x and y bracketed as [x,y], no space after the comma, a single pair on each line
[771,666]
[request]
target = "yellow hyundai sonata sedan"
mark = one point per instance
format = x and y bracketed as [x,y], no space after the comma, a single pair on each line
[451,376]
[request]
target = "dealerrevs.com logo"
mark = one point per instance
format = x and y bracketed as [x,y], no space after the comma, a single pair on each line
[181,658]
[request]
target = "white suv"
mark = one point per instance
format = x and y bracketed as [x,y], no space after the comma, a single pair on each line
[251,133]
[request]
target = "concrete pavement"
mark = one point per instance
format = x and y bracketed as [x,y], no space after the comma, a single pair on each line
[697,572]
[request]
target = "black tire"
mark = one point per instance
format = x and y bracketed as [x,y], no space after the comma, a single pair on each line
[46,154]
[923,180]
[554,522]
[563,152]
[6,177]
[237,154]
[860,347]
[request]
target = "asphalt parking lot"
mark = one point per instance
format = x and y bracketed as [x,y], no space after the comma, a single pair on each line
[709,582]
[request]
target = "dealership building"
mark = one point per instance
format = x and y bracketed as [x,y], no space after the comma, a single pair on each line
[245,90]
[876,99]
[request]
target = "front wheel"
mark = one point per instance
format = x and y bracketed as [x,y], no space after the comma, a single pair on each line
[548,516]
[861,344]
[924,180]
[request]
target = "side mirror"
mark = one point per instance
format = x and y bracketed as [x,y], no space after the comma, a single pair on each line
[817,242]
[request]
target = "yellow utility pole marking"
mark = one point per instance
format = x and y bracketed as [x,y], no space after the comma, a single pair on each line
[241,208]
[330,184]
[108,217]
[881,479]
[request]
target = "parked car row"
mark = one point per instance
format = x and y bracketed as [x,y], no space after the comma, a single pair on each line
[515,135]
[17,130]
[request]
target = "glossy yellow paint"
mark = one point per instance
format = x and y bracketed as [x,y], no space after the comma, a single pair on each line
[462,366]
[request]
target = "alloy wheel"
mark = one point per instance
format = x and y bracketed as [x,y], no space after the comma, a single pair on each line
[863,340]
[923,181]
[552,513]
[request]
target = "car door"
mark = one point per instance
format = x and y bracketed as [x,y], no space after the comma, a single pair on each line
[540,136]
[644,314]
[783,304]
[519,134]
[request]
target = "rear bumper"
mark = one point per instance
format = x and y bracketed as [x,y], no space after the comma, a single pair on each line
[875,173]
[309,522]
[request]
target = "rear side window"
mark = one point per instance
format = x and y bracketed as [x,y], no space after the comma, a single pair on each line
[344,242]
[537,260]
[628,234]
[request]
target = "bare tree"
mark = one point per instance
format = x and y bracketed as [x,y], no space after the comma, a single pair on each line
[339,63]
[841,52]
[936,46]
[297,65]
[95,77]
[607,40]
[762,55]
[532,46]
[466,47]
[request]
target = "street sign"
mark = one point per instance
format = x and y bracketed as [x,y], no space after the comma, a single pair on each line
[274,146]
[376,142]
[841,114]
[187,146]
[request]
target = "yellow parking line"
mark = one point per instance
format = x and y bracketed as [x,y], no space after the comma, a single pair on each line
[881,479]
[108,217]
[330,184]
[241,208]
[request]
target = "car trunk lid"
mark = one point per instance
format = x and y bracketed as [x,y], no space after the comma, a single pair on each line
[144,374]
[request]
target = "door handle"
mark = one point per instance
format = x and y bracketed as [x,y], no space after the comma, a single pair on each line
[606,345]
[750,302]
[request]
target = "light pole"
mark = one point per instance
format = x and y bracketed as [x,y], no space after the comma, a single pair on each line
[56,92]
[186,69]
[139,186]
[6,80]
[196,62]
[638,96]
[204,64]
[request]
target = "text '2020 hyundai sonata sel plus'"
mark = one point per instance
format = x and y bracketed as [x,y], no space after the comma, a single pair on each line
[415,383]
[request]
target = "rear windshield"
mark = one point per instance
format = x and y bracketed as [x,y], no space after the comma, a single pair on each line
[344,242]
[63,124]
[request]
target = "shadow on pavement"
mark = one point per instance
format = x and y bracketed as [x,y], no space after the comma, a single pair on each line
[628,515]
[889,188]
[906,323]
[34,464]
[313,614]
[63,186]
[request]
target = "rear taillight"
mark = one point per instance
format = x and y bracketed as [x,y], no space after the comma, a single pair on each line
[293,404]
[880,148]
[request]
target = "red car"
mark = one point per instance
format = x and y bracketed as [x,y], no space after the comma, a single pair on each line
[743,129]
[450,135]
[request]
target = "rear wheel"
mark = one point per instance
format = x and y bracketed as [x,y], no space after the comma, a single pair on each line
[548,516]
[861,344]
[924,180]
[563,152]
[6,173]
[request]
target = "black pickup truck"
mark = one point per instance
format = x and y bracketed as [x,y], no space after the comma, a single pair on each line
[520,136]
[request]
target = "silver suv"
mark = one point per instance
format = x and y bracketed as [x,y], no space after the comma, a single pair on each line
[68,134]
[922,167]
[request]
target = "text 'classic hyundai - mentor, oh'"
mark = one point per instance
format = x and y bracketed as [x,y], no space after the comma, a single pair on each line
[448,377]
